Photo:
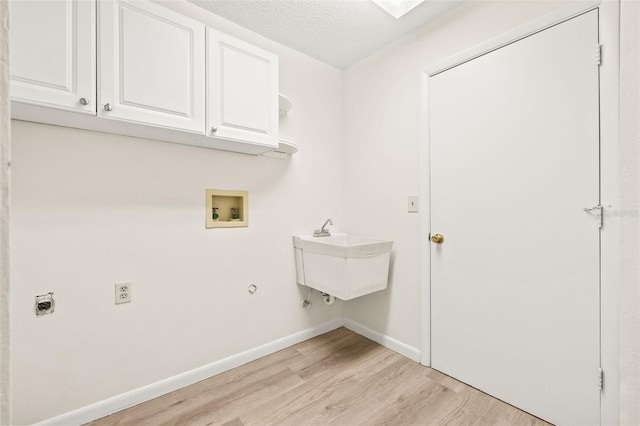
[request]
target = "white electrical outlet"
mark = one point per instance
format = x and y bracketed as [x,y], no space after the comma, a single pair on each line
[123,293]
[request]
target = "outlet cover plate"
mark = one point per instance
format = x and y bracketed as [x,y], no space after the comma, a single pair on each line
[45,304]
[123,292]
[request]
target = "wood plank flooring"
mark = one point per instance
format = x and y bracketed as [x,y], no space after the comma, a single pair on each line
[339,378]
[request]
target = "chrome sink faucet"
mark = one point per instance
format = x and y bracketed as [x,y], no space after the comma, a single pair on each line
[322,232]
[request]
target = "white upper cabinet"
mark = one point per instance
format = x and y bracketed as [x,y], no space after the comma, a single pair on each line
[137,68]
[242,92]
[151,66]
[53,54]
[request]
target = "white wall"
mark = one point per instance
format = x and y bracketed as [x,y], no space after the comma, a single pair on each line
[90,209]
[630,180]
[381,165]
[382,102]
[5,125]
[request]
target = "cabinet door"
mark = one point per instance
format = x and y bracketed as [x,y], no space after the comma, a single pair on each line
[242,94]
[152,65]
[53,53]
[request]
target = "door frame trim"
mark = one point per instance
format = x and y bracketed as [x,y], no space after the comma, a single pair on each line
[611,259]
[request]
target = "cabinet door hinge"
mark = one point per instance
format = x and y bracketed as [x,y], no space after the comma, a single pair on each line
[599,54]
[600,378]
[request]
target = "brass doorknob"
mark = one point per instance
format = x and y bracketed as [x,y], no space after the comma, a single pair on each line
[437,238]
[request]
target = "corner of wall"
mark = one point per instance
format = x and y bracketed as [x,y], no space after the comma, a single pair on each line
[629,297]
[5,135]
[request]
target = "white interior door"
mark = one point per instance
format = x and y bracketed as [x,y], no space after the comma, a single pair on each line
[515,284]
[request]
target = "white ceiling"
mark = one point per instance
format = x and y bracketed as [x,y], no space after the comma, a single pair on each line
[337,32]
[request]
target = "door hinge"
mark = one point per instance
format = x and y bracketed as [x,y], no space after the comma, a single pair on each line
[599,54]
[600,212]
[600,378]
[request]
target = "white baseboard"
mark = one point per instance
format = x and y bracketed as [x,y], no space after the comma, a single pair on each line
[386,341]
[128,399]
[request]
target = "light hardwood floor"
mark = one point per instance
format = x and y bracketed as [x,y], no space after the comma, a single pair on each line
[339,378]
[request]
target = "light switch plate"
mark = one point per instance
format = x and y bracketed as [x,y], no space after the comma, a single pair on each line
[413,204]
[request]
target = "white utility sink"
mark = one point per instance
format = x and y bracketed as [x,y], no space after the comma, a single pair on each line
[342,265]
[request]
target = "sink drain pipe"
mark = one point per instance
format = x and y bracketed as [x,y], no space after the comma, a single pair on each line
[328,299]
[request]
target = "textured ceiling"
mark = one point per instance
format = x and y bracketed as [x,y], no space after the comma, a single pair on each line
[338,32]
